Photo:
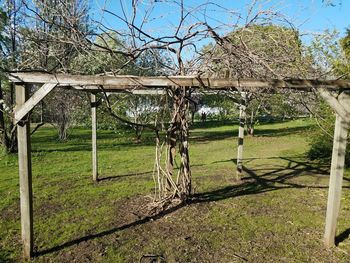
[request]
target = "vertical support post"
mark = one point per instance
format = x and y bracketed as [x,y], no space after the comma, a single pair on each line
[94,137]
[25,175]
[242,117]
[336,178]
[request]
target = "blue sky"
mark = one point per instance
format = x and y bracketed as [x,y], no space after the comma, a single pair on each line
[315,16]
[309,16]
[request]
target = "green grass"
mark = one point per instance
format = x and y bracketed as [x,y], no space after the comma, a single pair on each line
[276,214]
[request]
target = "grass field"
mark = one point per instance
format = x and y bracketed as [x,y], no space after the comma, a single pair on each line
[276,214]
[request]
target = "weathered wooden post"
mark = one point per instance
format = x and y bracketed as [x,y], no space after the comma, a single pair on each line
[94,137]
[341,105]
[242,119]
[25,175]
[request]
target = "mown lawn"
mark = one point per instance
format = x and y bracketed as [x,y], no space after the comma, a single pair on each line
[276,214]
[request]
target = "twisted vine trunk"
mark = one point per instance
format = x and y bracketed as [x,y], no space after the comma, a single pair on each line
[171,185]
[178,135]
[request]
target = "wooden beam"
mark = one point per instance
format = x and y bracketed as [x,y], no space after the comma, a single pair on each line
[242,118]
[127,82]
[94,137]
[24,109]
[25,176]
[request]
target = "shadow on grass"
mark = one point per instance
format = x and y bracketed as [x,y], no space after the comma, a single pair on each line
[115,177]
[252,184]
[256,184]
[72,146]
[205,136]
[296,164]
[80,140]
[108,232]
[342,236]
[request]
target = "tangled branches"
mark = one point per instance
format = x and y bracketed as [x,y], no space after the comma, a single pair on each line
[170,187]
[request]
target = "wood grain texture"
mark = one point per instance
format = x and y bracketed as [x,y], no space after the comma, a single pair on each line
[25,177]
[122,82]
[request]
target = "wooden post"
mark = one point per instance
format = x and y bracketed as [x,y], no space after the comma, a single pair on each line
[25,175]
[342,107]
[336,178]
[94,137]
[242,117]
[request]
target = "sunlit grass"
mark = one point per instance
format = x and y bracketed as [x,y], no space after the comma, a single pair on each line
[278,218]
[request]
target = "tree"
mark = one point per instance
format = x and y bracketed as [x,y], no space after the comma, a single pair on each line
[342,67]
[11,21]
[48,44]
[257,51]
[332,57]
[4,137]
[48,47]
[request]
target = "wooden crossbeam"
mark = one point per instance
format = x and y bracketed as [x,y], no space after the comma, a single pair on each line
[25,108]
[126,82]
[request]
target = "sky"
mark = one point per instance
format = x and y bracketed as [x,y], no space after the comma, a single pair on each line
[309,16]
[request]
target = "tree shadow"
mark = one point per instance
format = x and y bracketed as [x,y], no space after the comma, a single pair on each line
[205,136]
[115,177]
[342,236]
[256,184]
[108,232]
[295,163]
[85,146]
[251,184]
[80,139]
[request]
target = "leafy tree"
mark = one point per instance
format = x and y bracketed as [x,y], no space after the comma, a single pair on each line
[258,51]
[333,59]
[342,67]
[48,47]
[48,43]
[4,140]
[224,104]
[10,20]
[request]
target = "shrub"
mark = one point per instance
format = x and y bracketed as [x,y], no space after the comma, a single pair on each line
[321,143]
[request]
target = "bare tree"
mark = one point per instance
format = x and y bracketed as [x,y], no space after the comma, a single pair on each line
[11,20]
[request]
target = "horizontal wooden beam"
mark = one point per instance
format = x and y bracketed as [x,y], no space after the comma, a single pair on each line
[123,82]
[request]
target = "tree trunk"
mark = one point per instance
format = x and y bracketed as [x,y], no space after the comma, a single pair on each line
[192,116]
[250,129]
[8,138]
[3,134]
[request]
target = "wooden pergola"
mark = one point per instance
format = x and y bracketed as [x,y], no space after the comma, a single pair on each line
[335,92]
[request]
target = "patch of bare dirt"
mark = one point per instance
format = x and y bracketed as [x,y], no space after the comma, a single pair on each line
[10,213]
